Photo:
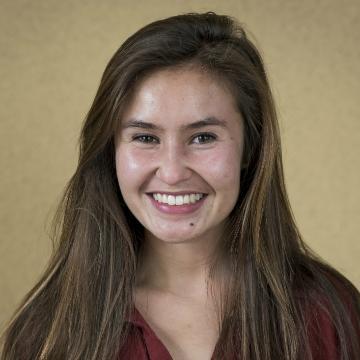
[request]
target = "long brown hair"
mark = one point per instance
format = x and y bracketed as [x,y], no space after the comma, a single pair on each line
[79,308]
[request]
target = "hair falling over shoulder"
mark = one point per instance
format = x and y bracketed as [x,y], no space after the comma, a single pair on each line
[79,307]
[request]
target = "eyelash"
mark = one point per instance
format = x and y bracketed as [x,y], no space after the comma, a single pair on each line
[138,137]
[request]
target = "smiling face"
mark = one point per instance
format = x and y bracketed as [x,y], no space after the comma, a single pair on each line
[180,133]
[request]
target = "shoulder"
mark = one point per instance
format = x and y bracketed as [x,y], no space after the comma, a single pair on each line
[331,309]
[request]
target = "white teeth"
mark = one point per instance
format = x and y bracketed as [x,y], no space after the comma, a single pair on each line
[178,199]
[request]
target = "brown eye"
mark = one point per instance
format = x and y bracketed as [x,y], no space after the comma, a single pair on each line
[204,138]
[146,139]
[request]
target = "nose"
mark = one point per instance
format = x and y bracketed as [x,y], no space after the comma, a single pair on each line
[173,165]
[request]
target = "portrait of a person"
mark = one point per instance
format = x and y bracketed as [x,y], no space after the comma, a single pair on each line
[176,238]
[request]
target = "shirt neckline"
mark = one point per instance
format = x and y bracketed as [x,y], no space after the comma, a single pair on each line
[154,345]
[155,348]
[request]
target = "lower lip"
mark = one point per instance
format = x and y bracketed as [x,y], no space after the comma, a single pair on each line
[177,209]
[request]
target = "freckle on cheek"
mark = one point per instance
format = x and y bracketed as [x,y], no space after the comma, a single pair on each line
[191,224]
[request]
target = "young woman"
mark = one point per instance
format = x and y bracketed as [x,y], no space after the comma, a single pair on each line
[175,234]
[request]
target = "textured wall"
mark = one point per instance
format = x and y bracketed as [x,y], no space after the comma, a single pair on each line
[52,57]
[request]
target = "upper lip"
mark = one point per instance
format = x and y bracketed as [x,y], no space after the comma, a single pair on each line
[176,193]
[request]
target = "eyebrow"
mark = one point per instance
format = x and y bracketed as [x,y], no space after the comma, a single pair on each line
[208,121]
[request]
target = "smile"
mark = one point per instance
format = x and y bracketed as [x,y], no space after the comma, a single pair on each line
[173,200]
[179,204]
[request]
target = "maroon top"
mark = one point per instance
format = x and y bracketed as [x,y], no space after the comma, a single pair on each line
[143,344]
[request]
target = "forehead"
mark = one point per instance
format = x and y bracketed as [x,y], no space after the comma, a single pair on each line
[180,95]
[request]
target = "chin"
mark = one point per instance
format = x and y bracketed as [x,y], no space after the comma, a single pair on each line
[173,238]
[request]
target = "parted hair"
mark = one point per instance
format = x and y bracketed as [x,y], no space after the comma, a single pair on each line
[80,306]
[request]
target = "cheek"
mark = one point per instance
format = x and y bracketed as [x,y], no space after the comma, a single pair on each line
[222,168]
[131,168]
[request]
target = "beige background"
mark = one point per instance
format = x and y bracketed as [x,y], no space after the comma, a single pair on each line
[54,52]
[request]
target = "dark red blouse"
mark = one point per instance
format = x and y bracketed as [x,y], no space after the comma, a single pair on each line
[143,344]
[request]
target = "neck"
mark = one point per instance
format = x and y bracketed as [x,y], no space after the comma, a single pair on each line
[180,269]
